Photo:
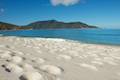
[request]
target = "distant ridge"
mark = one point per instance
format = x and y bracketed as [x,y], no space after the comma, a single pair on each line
[7,26]
[48,24]
[53,24]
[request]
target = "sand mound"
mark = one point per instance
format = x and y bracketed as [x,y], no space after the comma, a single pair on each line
[51,69]
[16,59]
[31,76]
[14,68]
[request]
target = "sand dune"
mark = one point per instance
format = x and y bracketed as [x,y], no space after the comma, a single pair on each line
[57,59]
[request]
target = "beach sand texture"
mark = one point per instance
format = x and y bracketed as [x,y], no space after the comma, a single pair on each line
[57,59]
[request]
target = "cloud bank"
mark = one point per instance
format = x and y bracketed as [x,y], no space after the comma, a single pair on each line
[64,2]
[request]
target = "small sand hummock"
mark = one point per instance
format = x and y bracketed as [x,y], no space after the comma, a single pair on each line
[89,66]
[14,68]
[40,60]
[5,56]
[31,76]
[16,59]
[51,69]
[65,57]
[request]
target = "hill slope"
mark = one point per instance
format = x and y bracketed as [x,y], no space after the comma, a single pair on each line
[50,24]
[53,24]
[7,26]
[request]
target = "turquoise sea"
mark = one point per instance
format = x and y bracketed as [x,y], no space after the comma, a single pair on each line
[101,36]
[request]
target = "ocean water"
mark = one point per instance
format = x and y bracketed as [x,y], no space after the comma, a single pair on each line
[99,36]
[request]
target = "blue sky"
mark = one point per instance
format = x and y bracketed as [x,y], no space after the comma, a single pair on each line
[102,13]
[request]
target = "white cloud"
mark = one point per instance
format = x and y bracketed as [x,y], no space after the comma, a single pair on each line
[64,2]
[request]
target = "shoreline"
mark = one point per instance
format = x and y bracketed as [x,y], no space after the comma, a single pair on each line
[57,59]
[70,40]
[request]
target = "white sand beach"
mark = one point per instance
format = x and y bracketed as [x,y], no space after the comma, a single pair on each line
[57,59]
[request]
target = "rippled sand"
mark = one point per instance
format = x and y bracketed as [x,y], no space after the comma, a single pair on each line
[57,59]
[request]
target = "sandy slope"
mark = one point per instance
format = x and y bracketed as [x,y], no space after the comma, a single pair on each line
[57,59]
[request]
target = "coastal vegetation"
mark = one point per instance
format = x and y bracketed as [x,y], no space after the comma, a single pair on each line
[49,24]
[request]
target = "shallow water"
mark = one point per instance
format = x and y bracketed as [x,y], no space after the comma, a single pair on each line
[102,36]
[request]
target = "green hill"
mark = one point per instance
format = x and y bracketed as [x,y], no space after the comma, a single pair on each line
[7,26]
[50,24]
[53,24]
